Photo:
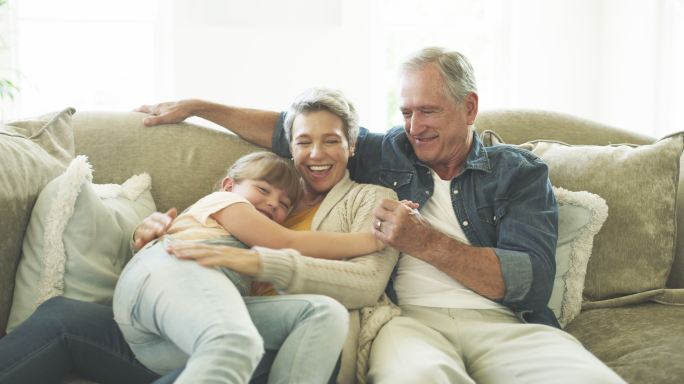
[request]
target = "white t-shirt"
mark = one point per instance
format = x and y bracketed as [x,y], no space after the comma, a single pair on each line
[419,283]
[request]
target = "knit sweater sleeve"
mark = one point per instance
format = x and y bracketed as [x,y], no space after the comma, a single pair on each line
[355,282]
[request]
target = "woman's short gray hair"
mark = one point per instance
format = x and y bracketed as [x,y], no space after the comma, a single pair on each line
[323,99]
[458,74]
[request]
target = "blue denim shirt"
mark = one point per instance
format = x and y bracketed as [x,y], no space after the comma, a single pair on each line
[503,200]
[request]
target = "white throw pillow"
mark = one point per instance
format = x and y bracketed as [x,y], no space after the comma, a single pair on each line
[581,216]
[77,240]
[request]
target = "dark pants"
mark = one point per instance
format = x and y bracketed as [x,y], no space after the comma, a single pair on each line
[65,335]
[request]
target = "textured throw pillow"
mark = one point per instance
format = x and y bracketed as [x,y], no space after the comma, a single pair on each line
[635,250]
[77,240]
[581,216]
[31,154]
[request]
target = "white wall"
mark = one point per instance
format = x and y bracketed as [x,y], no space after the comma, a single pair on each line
[262,53]
[615,61]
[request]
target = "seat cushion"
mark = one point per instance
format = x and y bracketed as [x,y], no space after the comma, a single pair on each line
[643,343]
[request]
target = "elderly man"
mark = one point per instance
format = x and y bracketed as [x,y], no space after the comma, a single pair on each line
[477,264]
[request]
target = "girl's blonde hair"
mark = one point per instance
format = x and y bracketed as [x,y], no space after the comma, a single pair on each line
[268,167]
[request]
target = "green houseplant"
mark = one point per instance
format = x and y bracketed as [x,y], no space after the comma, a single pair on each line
[8,89]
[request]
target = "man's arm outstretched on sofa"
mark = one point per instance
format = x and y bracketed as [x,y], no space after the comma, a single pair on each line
[253,125]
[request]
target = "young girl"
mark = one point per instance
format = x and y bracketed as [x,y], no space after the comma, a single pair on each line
[172,310]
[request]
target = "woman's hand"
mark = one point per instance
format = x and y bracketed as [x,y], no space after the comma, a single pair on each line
[152,227]
[400,225]
[240,260]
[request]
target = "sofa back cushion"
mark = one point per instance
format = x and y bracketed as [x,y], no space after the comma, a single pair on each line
[521,126]
[31,154]
[184,160]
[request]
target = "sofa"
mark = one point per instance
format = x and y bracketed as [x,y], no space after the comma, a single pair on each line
[630,304]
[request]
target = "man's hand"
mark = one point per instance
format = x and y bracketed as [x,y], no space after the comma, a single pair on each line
[167,113]
[403,228]
[399,224]
[152,227]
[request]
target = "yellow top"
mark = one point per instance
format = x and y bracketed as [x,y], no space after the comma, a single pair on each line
[300,221]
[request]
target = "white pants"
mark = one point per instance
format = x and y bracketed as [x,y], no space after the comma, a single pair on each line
[436,345]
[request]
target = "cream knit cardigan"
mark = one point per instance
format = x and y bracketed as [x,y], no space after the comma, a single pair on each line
[358,283]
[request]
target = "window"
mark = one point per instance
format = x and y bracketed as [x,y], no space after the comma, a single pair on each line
[86,54]
[613,61]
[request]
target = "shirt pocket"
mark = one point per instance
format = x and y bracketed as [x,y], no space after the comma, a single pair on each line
[491,214]
[395,179]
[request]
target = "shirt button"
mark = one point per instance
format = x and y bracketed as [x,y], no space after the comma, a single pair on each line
[455,191]
[395,183]
[494,218]
[465,223]
[427,192]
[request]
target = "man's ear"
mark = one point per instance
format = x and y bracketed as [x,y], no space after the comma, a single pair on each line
[471,104]
[227,184]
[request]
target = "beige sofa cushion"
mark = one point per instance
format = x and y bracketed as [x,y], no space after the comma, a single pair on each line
[31,154]
[642,343]
[184,160]
[635,249]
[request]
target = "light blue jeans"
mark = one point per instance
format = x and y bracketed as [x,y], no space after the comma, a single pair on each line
[175,312]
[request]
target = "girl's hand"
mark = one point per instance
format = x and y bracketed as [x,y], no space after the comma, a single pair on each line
[410,204]
[152,227]
[240,260]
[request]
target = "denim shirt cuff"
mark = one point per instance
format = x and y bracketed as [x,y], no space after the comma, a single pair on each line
[516,269]
[279,144]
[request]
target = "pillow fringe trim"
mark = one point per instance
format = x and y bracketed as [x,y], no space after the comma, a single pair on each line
[131,189]
[51,282]
[572,303]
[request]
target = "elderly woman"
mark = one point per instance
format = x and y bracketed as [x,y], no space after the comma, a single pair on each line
[321,126]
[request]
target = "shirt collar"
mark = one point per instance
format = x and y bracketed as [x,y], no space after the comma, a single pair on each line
[477,157]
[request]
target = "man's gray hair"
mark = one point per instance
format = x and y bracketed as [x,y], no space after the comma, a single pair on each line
[323,99]
[458,74]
